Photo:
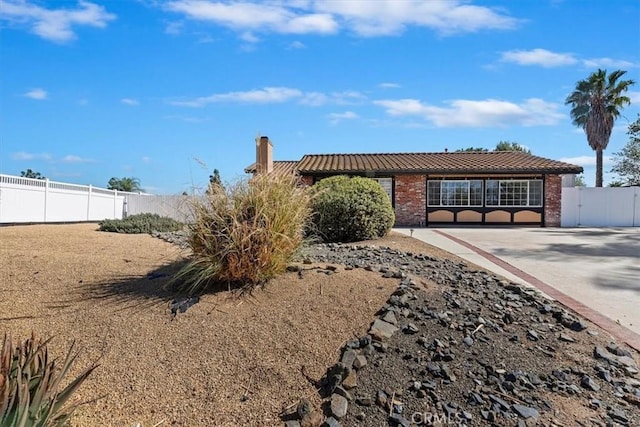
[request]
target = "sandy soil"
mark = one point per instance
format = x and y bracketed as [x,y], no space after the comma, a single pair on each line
[226,361]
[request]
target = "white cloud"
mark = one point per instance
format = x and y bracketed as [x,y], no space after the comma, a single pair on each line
[485,113]
[130,101]
[245,16]
[23,155]
[389,85]
[249,37]
[70,158]
[36,93]
[390,17]
[54,24]
[296,45]
[174,28]
[146,159]
[336,118]
[587,161]
[541,57]
[274,95]
[267,95]
[608,63]
[372,18]
[546,58]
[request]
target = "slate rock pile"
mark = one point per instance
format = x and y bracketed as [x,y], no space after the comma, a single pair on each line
[457,346]
[475,350]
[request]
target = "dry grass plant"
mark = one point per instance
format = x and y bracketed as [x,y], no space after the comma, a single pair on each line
[245,234]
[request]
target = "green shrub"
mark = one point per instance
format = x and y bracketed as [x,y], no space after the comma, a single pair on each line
[30,391]
[350,209]
[244,235]
[141,223]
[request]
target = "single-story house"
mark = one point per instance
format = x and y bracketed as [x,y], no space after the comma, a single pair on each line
[496,187]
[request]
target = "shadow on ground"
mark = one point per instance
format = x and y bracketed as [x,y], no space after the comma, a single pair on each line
[136,293]
[627,279]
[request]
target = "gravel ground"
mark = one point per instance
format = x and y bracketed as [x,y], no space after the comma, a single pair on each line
[229,361]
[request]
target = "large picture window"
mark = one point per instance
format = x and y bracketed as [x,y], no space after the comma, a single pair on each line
[454,193]
[514,193]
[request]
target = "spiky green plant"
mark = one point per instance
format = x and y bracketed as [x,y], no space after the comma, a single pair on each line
[30,384]
[245,234]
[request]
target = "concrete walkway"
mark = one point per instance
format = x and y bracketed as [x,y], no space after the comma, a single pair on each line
[595,272]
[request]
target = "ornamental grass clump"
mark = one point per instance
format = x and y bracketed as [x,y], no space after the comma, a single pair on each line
[349,209]
[30,384]
[244,235]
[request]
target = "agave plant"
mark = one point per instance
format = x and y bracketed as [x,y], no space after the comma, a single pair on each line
[30,390]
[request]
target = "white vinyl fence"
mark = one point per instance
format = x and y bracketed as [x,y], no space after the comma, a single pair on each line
[26,200]
[601,207]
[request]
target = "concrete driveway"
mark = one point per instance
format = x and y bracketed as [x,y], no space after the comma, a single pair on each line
[598,267]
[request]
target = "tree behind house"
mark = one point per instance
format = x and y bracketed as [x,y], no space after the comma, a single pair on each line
[128,184]
[32,174]
[511,146]
[596,103]
[626,162]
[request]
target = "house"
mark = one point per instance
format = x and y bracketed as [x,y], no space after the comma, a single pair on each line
[496,187]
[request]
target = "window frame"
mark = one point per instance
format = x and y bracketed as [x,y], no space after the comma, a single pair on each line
[499,202]
[457,181]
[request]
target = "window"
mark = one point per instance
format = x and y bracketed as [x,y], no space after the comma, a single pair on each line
[454,193]
[514,193]
[387,185]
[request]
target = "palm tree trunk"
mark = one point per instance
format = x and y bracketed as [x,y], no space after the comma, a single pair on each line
[599,167]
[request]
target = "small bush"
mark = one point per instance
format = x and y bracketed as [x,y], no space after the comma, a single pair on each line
[351,209]
[246,234]
[30,392]
[141,223]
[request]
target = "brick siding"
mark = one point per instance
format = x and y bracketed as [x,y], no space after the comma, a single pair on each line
[411,200]
[552,200]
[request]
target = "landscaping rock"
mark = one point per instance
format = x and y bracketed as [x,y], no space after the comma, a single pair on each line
[381,330]
[339,406]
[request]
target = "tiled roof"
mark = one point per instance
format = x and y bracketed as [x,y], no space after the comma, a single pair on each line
[279,166]
[454,162]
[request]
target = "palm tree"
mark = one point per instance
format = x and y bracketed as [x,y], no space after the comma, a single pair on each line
[128,184]
[595,105]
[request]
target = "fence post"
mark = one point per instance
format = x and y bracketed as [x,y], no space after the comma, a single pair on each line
[89,203]
[636,201]
[115,203]
[46,197]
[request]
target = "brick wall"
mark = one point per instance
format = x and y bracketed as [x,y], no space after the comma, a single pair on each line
[411,200]
[552,200]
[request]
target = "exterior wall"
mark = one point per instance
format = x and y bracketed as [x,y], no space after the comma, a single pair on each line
[552,200]
[411,200]
[307,180]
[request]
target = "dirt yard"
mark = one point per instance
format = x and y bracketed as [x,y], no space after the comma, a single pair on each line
[223,362]
[226,361]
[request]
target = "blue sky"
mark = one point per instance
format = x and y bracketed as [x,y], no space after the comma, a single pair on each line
[166,91]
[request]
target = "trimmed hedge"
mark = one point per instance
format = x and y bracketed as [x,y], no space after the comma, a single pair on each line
[351,209]
[140,224]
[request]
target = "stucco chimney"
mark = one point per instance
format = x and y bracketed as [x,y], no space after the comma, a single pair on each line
[264,155]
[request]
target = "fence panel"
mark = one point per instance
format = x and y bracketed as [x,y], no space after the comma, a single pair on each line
[176,207]
[601,207]
[25,200]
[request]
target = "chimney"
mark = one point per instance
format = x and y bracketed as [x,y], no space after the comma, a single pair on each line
[264,155]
